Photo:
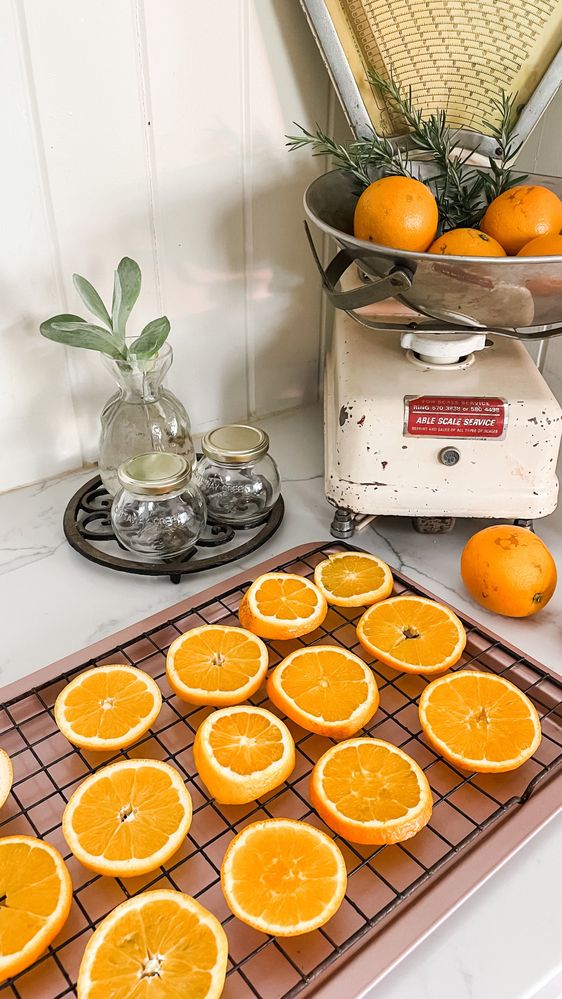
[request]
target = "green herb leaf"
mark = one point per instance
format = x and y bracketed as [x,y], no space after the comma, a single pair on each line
[76,332]
[360,158]
[126,290]
[91,299]
[151,339]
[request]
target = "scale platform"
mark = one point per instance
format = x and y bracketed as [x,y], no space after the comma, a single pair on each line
[476,438]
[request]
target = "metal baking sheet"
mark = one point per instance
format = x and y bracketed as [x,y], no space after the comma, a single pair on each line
[396,894]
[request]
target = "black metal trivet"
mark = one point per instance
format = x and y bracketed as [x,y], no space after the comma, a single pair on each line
[87,528]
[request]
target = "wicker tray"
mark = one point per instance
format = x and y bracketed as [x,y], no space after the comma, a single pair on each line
[396,894]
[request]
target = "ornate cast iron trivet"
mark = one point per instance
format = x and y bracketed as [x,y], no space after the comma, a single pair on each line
[87,528]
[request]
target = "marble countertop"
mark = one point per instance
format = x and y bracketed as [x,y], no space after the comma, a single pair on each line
[503,942]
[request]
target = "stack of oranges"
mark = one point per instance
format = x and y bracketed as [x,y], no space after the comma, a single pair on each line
[401,212]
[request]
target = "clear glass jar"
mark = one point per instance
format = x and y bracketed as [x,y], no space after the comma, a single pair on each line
[141,416]
[237,476]
[158,513]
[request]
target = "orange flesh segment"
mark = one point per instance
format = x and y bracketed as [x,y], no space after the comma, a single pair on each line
[126,695]
[383,785]
[419,634]
[30,887]
[246,742]
[480,719]
[217,660]
[286,599]
[131,813]
[326,686]
[283,874]
[161,931]
[352,575]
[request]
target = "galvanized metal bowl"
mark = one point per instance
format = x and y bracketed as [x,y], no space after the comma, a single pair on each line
[517,296]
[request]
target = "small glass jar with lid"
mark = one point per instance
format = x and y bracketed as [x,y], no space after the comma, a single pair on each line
[237,476]
[158,513]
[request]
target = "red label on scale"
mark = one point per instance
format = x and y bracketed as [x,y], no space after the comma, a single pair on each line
[455,416]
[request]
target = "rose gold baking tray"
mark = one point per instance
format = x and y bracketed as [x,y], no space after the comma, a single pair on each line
[396,894]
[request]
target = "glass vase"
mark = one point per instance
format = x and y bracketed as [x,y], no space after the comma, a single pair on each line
[141,416]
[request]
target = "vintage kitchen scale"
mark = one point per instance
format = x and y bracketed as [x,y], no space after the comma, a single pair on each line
[434,408]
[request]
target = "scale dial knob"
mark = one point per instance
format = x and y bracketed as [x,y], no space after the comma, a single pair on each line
[449,456]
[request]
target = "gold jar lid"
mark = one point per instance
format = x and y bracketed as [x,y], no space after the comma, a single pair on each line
[235,444]
[155,473]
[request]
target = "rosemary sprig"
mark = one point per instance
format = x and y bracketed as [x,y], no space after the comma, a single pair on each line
[462,191]
[457,188]
[501,178]
[360,158]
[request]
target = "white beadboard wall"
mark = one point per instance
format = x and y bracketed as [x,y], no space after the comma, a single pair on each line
[155,128]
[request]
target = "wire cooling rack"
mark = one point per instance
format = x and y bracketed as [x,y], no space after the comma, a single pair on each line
[382,882]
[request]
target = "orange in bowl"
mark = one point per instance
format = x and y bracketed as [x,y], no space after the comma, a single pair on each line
[396,211]
[467,243]
[522,213]
[542,246]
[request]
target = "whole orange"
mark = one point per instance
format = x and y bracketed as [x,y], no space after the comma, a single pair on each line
[508,570]
[400,212]
[521,214]
[467,243]
[542,246]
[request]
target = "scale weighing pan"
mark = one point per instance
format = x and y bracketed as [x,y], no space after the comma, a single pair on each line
[458,56]
[504,295]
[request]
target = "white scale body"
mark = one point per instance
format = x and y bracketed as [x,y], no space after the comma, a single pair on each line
[482,439]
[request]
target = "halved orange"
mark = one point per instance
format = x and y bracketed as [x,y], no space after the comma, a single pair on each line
[283,877]
[412,634]
[326,689]
[161,944]
[282,605]
[6,776]
[128,817]
[108,707]
[36,895]
[216,665]
[353,579]
[369,791]
[243,752]
[479,721]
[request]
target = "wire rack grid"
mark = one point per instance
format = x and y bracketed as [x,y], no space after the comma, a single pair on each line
[47,769]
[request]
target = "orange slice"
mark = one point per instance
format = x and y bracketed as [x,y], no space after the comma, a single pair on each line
[353,579]
[36,893]
[243,752]
[6,776]
[216,665]
[326,689]
[283,877]
[161,944]
[108,707]
[280,605]
[369,791]
[128,817]
[479,721]
[412,634]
